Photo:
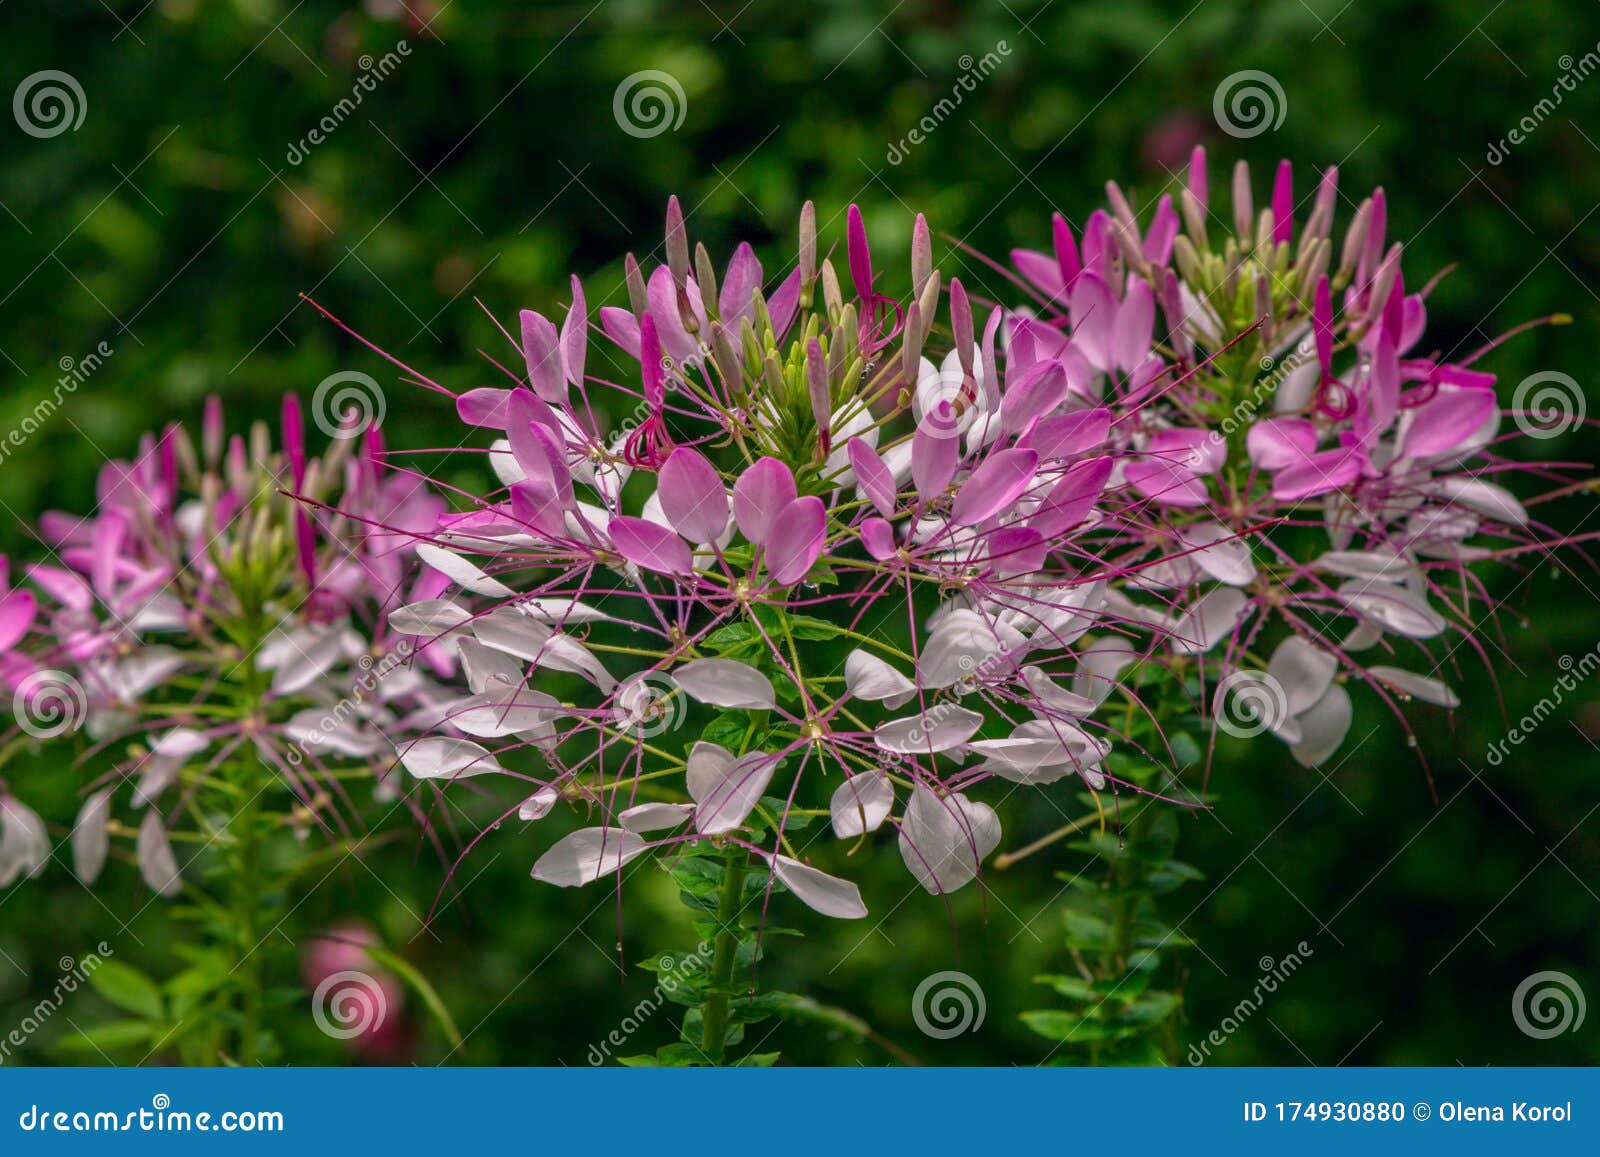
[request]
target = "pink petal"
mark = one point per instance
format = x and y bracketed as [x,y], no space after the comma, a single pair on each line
[874,478]
[1319,474]
[763,490]
[1041,389]
[1276,443]
[1093,312]
[1072,498]
[935,452]
[1446,421]
[651,546]
[742,279]
[692,496]
[796,541]
[1134,327]
[994,486]
[878,536]
[575,336]
[541,346]
[1068,435]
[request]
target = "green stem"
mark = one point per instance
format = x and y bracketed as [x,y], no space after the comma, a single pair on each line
[714,1025]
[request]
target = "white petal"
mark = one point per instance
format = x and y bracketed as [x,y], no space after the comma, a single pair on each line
[868,677]
[501,710]
[1377,563]
[726,683]
[467,575]
[538,805]
[442,757]
[963,646]
[1050,694]
[726,789]
[1323,727]
[946,726]
[1211,618]
[1413,686]
[485,666]
[587,855]
[90,839]
[860,804]
[156,862]
[943,841]
[827,894]
[1484,497]
[1220,553]
[1303,672]
[1393,608]
[651,817]
[430,617]
[1100,661]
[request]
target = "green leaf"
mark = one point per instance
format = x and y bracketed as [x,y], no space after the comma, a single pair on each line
[128,989]
[108,1037]
[756,1061]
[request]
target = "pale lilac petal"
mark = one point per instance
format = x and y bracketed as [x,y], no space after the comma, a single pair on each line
[445,757]
[1219,552]
[1302,671]
[817,890]
[538,805]
[1211,618]
[942,729]
[90,837]
[467,575]
[1068,435]
[860,804]
[157,866]
[1072,499]
[654,817]
[868,677]
[1276,443]
[726,790]
[1414,686]
[1323,727]
[726,683]
[1443,423]
[588,855]
[943,841]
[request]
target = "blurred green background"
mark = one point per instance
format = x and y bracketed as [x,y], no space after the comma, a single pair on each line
[175,225]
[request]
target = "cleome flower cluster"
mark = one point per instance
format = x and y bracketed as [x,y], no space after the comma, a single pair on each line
[799,550]
[202,621]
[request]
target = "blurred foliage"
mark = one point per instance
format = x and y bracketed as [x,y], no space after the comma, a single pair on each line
[174,226]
